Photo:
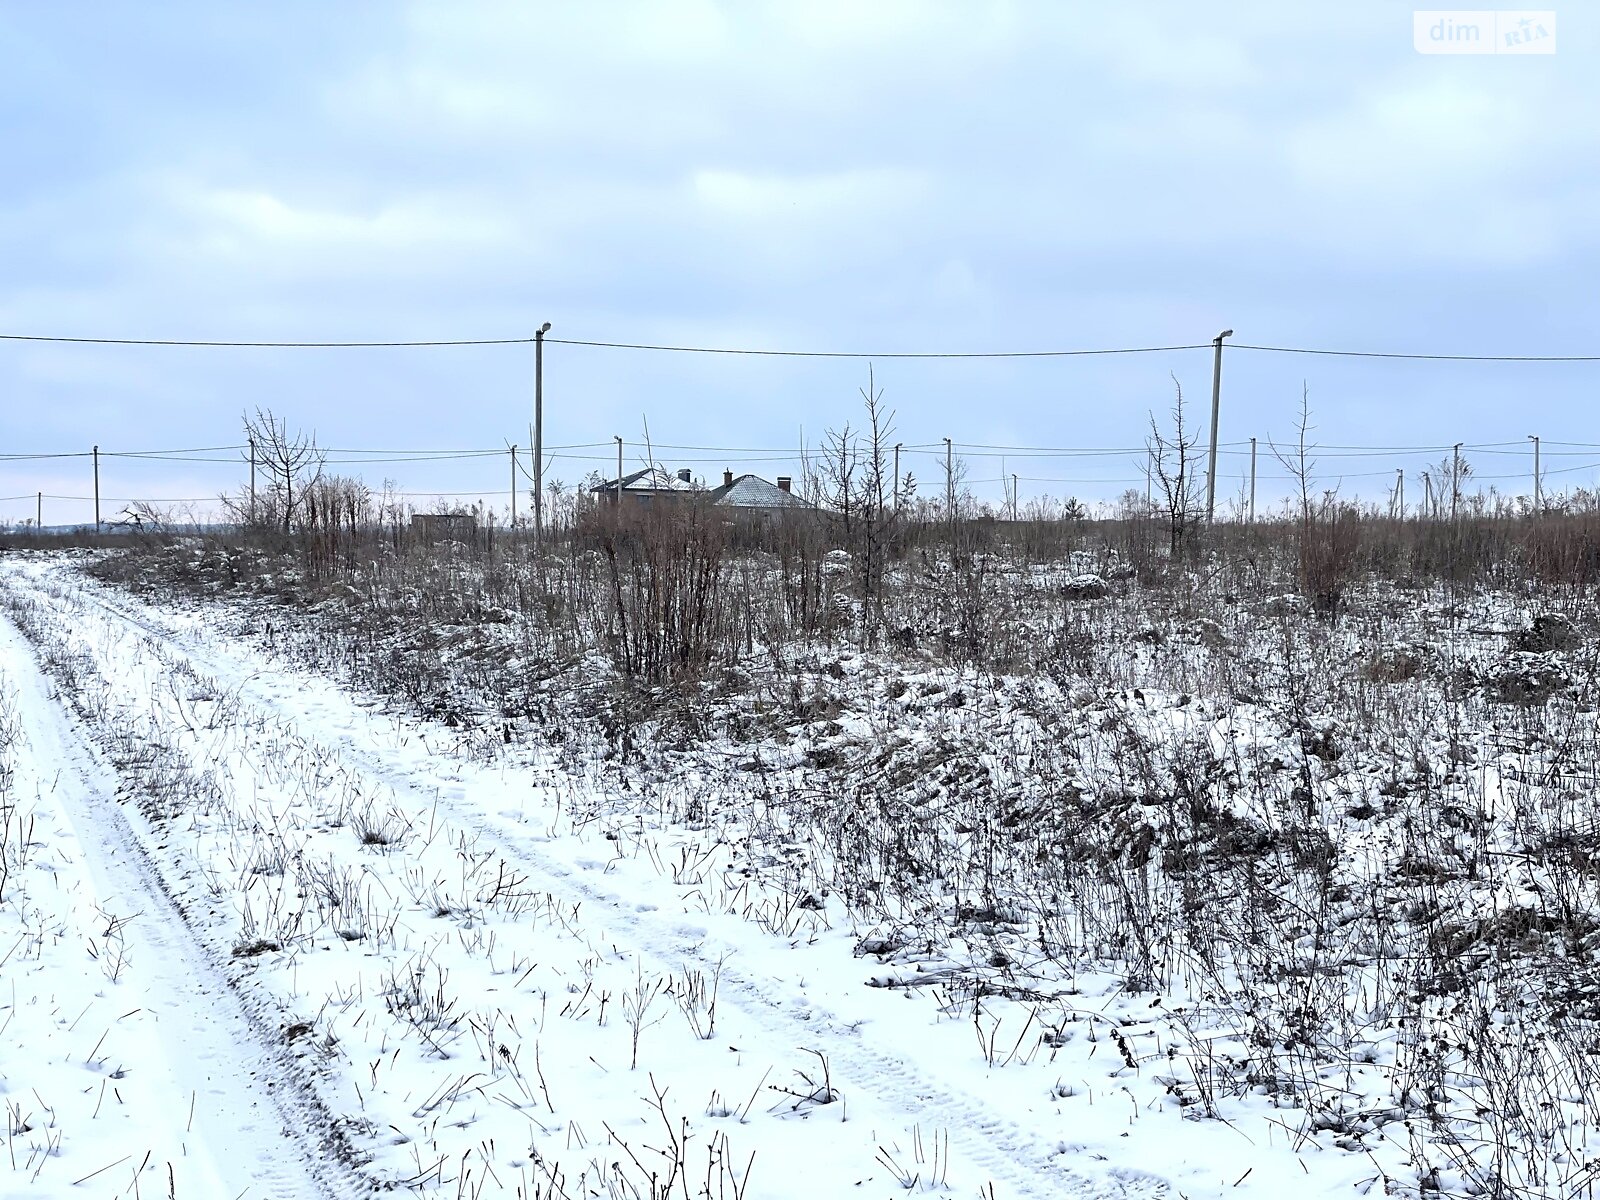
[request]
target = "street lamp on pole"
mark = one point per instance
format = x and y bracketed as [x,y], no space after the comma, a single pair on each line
[1455,481]
[1538,487]
[1216,407]
[538,435]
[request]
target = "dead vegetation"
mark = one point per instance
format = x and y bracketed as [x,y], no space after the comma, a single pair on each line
[1322,783]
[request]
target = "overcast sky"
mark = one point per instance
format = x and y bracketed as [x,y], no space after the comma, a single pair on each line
[861,176]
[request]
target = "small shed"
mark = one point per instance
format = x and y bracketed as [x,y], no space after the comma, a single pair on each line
[448,526]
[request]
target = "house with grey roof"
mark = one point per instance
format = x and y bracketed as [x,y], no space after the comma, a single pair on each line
[753,496]
[648,488]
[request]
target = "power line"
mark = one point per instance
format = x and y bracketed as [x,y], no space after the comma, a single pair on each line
[154,454]
[210,499]
[1529,358]
[979,446]
[125,499]
[228,344]
[495,450]
[222,343]
[886,354]
[350,456]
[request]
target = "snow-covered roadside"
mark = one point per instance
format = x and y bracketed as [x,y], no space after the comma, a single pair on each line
[126,1063]
[592,935]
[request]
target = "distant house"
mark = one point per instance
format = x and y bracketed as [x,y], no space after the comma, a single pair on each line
[753,496]
[453,526]
[651,486]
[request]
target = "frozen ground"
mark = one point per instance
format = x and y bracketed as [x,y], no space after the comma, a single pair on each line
[272,937]
[478,1001]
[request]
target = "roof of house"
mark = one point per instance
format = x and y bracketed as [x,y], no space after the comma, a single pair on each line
[444,519]
[752,491]
[650,479]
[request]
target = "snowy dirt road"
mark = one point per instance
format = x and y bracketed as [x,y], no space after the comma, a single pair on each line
[358,945]
[129,1061]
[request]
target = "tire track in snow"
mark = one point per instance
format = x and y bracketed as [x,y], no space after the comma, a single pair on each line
[1021,1164]
[264,1131]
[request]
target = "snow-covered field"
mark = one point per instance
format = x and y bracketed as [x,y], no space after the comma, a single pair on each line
[264,933]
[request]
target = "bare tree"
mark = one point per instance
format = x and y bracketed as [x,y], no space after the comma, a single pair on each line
[1175,460]
[854,479]
[292,465]
[335,510]
[143,515]
[880,514]
[1450,474]
[1329,529]
[840,459]
[1297,460]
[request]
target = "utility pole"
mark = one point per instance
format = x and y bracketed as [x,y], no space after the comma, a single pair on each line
[1400,493]
[897,476]
[97,489]
[950,493]
[1252,481]
[1216,408]
[252,480]
[1427,496]
[619,473]
[1538,487]
[538,436]
[513,487]
[38,513]
[1013,497]
[1455,481]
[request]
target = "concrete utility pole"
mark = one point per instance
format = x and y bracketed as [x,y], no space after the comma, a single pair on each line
[619,472]
[38,512]
[1455,481]
[538,435]
[950,492]
[97,489]
[513,487]
[1400,494]
[252,481]
[897,446]
[1013,497]
[1538,487]
[1216,408]
[1252,481]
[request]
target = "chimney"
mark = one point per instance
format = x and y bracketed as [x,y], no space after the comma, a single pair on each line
[783,483]
[683,474]
[727,478]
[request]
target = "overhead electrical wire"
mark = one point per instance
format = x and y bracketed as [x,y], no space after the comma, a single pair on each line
[778,453]
[882,354]
[344,456]
[219,343]
[1516,358]
[225,343]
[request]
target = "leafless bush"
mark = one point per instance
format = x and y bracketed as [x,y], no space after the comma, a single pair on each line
[1175,462]
[664,570]
[1329,530]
